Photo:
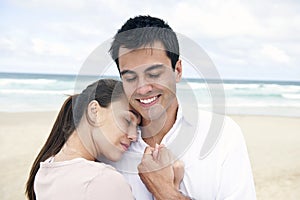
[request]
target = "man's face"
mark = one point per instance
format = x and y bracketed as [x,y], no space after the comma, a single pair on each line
[149,80]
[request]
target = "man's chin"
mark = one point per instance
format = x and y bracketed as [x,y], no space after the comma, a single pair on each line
[150,113]
[154,116]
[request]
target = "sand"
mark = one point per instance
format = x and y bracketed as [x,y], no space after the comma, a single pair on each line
[273,145]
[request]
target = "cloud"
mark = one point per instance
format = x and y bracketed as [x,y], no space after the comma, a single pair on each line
[53,4]
[44,47]
[275,54]
[257,35]
[215,19]
[223,19]
[7,44]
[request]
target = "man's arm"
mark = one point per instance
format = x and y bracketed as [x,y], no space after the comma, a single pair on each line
[236,181]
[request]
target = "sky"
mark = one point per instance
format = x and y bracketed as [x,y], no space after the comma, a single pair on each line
[245,39]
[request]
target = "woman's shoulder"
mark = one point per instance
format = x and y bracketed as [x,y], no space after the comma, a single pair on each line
[102,173]
[109,184]
[99,166]
[82,169]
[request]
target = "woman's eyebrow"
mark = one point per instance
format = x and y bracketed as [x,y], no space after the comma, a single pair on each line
[136,115]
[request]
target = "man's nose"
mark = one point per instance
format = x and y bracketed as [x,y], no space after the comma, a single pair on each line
[144,87]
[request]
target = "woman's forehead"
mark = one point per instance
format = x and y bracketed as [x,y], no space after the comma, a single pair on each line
[122,107]
[121,104]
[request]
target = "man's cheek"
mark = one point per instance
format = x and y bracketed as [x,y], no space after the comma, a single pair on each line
[129,91]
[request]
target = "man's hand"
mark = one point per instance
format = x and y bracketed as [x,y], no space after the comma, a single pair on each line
[178,168]
[160,175]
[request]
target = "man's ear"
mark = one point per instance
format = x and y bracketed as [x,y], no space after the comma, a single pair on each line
[93,112]
[178,71]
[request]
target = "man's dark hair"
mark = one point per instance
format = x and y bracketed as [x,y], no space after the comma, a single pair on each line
[140,31]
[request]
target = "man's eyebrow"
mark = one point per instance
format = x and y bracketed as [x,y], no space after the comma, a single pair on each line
[156,66]
[126,72]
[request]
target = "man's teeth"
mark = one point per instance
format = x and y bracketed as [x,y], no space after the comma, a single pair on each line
[146,101]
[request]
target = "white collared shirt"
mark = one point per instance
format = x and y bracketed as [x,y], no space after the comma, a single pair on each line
[216,160]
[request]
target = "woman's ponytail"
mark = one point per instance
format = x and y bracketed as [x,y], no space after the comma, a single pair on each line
[61,131]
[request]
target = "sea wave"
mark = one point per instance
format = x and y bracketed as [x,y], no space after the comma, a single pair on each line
[5,82]
[35,92]
[46,92]
[242,86]
[291,96]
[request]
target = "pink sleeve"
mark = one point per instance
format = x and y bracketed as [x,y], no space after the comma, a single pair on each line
[109,185]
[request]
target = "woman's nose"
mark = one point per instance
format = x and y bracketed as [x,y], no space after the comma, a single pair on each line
[132,135]
[132,138]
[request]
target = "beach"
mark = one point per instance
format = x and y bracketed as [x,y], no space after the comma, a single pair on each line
[273,146]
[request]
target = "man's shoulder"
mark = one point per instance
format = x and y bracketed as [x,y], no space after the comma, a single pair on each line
[225,122]
[215,131]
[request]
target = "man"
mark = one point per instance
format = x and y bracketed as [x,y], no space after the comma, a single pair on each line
[146,52]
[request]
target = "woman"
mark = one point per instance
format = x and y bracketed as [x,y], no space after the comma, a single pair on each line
[95,123]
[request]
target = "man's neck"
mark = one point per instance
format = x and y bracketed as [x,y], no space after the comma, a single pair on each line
[153,132]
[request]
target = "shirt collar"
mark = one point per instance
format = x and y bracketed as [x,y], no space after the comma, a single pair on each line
[183,116]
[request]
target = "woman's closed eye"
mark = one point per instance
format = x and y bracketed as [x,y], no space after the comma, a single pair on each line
[128,121]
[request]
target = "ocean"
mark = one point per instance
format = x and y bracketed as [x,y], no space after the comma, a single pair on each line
[46,92]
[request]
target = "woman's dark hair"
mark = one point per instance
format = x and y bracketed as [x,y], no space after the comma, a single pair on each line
[103,91]
[140,31]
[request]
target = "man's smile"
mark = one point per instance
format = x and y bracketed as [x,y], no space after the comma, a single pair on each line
[148,101]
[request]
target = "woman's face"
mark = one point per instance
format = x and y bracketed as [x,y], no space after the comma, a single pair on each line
[119,128]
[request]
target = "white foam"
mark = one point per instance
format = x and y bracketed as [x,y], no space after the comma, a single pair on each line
[5,82]
[35,92]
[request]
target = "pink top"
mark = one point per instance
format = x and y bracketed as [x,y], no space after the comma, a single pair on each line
[79,179]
